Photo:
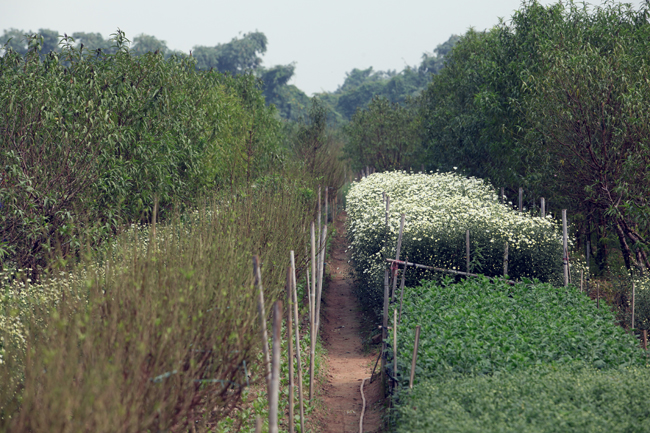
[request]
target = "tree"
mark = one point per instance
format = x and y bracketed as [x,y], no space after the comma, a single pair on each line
[146,43]
[384,136]
[238,56]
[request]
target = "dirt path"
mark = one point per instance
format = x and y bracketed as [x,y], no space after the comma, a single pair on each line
[347,364]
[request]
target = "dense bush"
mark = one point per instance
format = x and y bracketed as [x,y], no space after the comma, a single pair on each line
[532,401]
[478,327]
[89,140]
[439,208]
[158,331]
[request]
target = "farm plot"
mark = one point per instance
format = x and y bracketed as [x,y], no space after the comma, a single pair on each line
[478,327]
[523,358]
[439,208]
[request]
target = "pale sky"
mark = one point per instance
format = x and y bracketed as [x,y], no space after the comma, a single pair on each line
[325,39]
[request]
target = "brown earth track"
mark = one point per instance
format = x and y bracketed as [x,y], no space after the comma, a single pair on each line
[347,364]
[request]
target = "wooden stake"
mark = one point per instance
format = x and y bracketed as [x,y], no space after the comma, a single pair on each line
[542,207]
[387,209]
[633,300]
[521,199]
[312,319]
[645,339]
[261,310]
[565,258]
[415,355]
[384,329]
[297,324]
[275,370]
[467,251]
[289,287]
[397,253]
[327,218]
[395,343]
[319,294]
[502,198]
[581,279]
[505,260]
[401,288]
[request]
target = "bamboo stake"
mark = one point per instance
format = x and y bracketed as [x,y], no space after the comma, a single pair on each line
[399,248]
[327,218]
[467,250]
[275,370]
[297,323]
[318,227]
[262,313]
[581,279]
[384,329]
[543,207]
[633,301]
[290,346]
[258,424]
[401,288]
[415,355]
[645,339]
[521,199]
[565,246]
[319,295]
[505,260]
[395,343]
[312,318]
[502,198]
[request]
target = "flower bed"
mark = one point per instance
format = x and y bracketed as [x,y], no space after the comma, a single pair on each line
[439,209]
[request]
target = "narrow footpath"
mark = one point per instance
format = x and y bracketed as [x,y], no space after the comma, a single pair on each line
[347,364]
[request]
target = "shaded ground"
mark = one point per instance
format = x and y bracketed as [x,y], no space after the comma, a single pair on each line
[347,364]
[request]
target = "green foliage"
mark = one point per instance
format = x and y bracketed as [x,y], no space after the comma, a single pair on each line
[239,56]
[480,327]
[92,139]
[361,86]
[384,135]
[155,331]
[553,100]
[532,401]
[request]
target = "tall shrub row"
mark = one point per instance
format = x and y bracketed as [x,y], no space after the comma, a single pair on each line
[89,140]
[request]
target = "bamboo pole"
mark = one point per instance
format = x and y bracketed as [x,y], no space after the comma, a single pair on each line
[501,197]
[521,199]
[320,213]
[415,355]
[395,343]
[319,294]
[645,339]
[261,310]
[289,287]
[542,204]
[581,279]
[312,319]
[397,253]
[505,260]
[401,289]
[633,301]
[565,240]
[467,251]
[327,218]
[384,329]
[275,370]
[297,324]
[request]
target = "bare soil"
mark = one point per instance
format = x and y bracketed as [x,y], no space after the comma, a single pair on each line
[347,362]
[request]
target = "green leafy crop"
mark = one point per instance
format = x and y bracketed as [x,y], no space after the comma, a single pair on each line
[478,327]
[530,401]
